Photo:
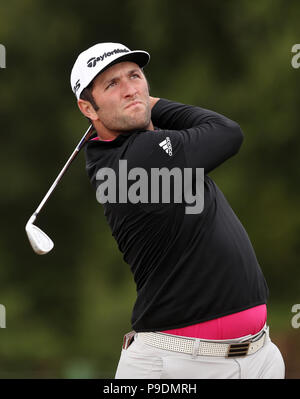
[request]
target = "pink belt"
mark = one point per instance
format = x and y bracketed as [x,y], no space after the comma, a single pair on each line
[249,321]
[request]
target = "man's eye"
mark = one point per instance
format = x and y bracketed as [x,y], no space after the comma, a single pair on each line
[111,84]
[135,75]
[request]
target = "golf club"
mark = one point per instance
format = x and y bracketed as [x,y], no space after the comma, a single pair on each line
[40,242]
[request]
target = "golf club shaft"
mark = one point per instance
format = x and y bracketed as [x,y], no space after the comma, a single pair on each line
[84,139]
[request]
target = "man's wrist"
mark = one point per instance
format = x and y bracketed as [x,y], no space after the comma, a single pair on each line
[153,101]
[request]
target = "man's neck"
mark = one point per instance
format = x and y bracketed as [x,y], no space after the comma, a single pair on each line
[112,135]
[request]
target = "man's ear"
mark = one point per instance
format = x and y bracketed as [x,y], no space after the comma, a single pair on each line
[87,109]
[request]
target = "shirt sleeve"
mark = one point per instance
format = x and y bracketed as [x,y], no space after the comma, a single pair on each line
[206,137]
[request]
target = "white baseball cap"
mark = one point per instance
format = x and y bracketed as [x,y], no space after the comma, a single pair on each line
[97,58]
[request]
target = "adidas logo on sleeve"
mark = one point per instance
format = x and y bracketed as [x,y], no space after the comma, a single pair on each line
[166,146]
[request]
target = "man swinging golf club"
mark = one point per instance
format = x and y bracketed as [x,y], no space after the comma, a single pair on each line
[201,300]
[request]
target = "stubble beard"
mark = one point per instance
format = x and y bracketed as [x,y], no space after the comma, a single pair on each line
[126,122]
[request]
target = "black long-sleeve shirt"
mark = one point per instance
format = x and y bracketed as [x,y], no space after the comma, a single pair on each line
[188,268]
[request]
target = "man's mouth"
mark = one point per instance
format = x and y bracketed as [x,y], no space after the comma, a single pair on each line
[133,103]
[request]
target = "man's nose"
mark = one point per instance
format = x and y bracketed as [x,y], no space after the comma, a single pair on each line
[128,89]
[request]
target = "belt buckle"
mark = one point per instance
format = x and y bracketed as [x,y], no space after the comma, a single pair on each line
[238,349]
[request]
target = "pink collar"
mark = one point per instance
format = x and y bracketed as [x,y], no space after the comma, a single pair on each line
[97,139]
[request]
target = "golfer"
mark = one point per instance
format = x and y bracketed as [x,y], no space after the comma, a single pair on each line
[200,310]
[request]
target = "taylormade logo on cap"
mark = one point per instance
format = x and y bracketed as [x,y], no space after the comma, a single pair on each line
[97,58]
[93,61]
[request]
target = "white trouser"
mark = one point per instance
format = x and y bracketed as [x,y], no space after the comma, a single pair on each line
[142,361]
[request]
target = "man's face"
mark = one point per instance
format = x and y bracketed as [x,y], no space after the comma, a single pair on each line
[122,95]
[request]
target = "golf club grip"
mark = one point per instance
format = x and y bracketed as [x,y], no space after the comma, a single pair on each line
[84,139]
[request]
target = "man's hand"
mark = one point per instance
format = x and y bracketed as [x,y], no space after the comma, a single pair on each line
[153,101]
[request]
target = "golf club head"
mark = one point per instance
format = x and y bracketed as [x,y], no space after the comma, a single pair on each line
[40,242]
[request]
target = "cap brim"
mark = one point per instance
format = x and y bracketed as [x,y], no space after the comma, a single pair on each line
[141,58]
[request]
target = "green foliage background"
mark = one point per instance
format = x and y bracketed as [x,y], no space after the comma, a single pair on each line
[66,312]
